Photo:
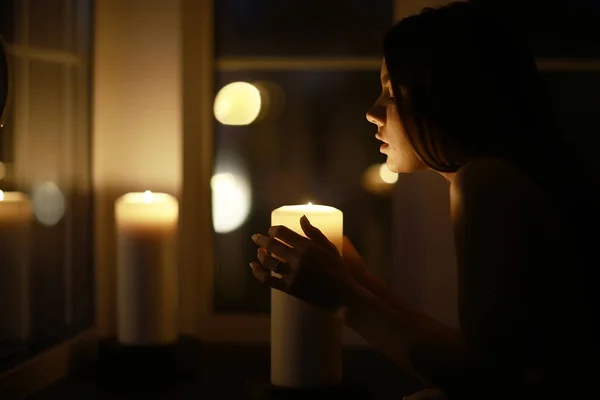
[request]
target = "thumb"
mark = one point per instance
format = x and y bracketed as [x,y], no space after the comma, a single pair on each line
[314,234]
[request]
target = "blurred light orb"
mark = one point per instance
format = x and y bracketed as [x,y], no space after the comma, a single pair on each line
[230,201]
[378,179]
[48,204]
[237,103]
[386,175]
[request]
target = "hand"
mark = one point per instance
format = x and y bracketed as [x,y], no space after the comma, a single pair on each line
[310,269]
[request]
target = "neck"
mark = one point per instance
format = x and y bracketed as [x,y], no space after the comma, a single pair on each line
[449,176]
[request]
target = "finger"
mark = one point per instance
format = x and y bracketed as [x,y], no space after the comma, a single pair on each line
[289,237]
[271,263]
[275,246]
[266,278]
[315,234]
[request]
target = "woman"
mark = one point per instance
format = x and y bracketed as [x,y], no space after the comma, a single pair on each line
[461,97]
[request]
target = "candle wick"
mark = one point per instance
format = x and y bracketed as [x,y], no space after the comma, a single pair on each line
[148,197]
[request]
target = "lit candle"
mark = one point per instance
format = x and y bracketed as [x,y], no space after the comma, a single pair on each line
[15,220]
[306,342]
[147,270]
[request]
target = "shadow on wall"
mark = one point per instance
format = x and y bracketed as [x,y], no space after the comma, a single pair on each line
[424,268]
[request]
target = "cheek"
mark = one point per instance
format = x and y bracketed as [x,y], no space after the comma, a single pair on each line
[395,131]
[401,156]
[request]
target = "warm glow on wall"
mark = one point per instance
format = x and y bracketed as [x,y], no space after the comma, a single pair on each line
[237,103]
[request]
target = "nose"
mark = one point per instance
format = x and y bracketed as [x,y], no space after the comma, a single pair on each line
[376,115]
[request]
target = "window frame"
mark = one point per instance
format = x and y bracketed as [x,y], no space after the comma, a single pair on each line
[58,360]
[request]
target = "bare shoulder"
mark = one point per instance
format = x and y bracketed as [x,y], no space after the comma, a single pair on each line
[494,180]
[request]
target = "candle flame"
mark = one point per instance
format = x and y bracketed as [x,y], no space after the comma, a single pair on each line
[309,203]
[148,197]
[1,195]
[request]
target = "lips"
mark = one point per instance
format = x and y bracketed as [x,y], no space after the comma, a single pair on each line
[385,144]
[379,137]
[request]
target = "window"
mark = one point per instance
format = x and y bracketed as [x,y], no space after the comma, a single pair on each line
[311,142]
[46,281]
[314,144]
[232,306]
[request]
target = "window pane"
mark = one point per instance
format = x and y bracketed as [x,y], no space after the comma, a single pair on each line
[7,20]
[46,277]
[47,25]
[308,27]
[313,144]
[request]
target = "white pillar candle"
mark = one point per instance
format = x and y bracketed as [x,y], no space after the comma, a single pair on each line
[15,220]
[147,270]
[306,342]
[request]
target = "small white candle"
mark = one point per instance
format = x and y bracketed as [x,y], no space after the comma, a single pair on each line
[15,221]
[306,342]
[147,270]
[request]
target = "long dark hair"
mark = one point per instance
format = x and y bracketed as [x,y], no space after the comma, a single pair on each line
[473,89]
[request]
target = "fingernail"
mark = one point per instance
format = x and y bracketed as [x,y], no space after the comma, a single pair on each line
[251,266]
[254,237]
[304,219]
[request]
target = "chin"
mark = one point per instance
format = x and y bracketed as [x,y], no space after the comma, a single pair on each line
[394,167]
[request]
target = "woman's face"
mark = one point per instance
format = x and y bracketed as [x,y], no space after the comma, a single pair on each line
[391,130]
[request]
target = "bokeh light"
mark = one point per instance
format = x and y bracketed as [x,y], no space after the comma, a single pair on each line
[231,201]
[386,175]
[378,179]
[48,204]
[237,103]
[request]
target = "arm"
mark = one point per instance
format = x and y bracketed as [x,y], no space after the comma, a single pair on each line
[396,330]
[493,207]
[367,279]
